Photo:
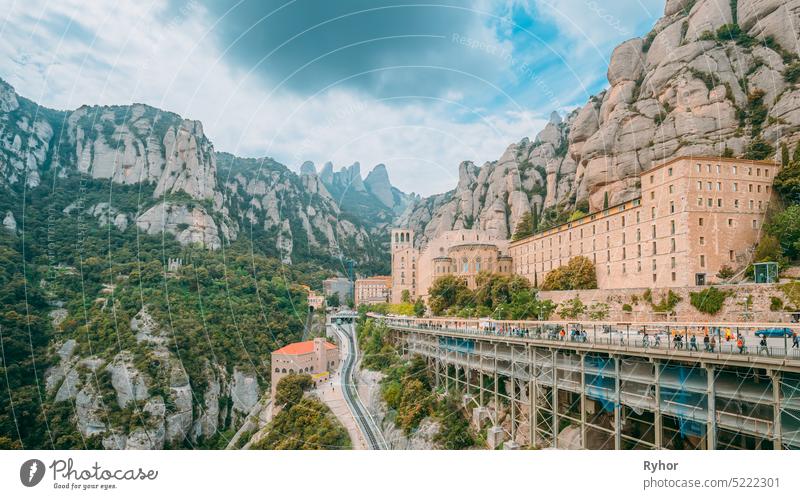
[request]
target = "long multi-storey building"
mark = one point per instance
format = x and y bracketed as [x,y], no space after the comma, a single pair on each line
[695,216]
[372,290]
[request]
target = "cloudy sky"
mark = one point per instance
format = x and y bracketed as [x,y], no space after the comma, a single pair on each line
[418,86]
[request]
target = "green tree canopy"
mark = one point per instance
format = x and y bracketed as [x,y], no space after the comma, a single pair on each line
[578,273]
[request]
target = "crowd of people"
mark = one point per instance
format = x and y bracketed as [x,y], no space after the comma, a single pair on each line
[713,339]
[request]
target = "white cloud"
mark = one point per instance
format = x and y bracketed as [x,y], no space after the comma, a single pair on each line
[139,56]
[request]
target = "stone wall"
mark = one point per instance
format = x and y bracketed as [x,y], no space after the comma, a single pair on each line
[746,302]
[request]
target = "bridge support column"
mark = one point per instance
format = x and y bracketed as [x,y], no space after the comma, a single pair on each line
[617,407]
[533,395]
[480,374]
[513,397]
[657,411]
[777,434]
[583,401]
[554,400]
[496,387]
[711,409]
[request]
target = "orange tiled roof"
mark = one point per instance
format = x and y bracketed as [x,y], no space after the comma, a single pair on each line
[301,348]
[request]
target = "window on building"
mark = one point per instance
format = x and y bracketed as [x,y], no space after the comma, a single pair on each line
[719,170]
[710,202]
[623,267]
[731,255]
[623,238]
[669,171]
[654,278]
[702,261]
[700,221]
[654,231]
[672,263]
[698,167]
[735,187]
[672,245]
[624,254]
[735,203]
[652,179]
[758,188]
[734,169]
[655,250]
[758,172]
[709,186]
[672,226]
[608,225]
[608,269]
[652,195]
[638,234]
[671,189]
[719,202]
[638,217]
[623,220]
[699,185]
[639,250]
[639,266]
[755,224]
[719,186]
[751,204]
[653,212]
[749,187]
[699,201]
[672,206]
[702,240]
[654,264]
[673,276]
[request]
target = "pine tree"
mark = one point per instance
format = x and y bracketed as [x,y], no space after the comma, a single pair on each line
[605,200]
[535,224]
[796,155]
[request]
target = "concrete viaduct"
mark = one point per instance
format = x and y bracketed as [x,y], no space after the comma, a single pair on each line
[535,387]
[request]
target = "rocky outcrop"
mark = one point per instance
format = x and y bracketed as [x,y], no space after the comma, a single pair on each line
[128,382]
[244,394]
[189,225]
[377,183]
[9,222]
[140,144]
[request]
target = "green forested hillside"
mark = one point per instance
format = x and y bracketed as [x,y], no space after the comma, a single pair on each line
[225,308]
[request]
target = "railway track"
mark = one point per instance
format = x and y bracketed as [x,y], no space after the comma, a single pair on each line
[364,420]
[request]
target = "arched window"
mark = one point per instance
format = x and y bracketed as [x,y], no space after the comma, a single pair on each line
[291,371]
[277,370]
[283,370]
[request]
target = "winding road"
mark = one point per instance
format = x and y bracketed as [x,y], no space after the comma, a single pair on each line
[366,423]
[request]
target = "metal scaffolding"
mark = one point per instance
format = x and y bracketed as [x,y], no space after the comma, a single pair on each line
[573,395]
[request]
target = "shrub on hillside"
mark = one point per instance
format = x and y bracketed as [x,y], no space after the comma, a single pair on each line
[709,301]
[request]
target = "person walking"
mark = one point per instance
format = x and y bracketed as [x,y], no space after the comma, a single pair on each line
[706,343]
[693,343]
[713,344]
[762,346]
[740,344]
[795,340]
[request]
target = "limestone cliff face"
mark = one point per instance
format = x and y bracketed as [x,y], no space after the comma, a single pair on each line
[682,89]
[25,136]
[140,144]
[187,195]
[167,412]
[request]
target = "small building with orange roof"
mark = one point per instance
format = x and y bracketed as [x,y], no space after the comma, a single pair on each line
[317,357]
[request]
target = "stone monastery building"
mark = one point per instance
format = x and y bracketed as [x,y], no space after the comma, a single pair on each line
[695,215]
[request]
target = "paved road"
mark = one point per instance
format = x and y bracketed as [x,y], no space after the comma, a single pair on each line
[362,416]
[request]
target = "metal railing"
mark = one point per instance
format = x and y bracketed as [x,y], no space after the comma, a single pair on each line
[656,339]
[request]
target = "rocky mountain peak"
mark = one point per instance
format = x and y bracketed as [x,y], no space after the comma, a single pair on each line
[378,184]
[308,168]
